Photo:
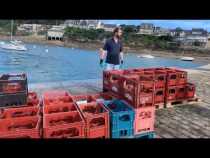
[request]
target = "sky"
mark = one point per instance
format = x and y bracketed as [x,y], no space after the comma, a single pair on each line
[170,24]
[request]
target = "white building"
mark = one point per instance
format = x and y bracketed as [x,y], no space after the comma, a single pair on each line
[31,28]
[86,24]
[108,27]
[56,32]
[146,29]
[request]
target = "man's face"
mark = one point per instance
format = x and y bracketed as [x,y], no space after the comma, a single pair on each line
[119,33]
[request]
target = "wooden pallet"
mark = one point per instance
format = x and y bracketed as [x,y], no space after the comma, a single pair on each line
[159,106]
[182,102]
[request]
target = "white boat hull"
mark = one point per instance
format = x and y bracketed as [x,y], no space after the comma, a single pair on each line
[146,56]
[13,47]
[187,58]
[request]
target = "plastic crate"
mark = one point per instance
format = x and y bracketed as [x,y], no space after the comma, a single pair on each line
[13,83]
[56,96]
[112,80]
[171,93]
[101,97]
[83,99]
[59,107]
[144,120]
[181,92]
[123,133]
[146,135]
[22,135]
[19,112]
[97,120]
[20,126]
[32,99]
[171,79]
[121,115]
[74,131]
[63,119]
[190,90]
[12,100]
[138,93]
[181,77]
[159,95]
[160,78]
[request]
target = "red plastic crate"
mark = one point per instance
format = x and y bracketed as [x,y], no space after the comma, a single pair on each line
[57,108]
[181,77]
[172,77]
[190,90]
[56,96]
[181,92]
[83,99]
[32,99]
[171,93]
[62,119]
[74,131]
[112,80]
[19,112]
[144,120]
[22,135]
[103,96]
[160,78]
[159,95]
[19,125]
[97,120]
[138,93]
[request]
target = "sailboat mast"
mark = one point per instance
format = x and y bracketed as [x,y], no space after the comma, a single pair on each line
[11,30]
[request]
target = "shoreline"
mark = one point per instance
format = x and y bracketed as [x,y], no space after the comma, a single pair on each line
[199,57]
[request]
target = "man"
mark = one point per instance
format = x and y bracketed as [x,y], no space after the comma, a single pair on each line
[113,50]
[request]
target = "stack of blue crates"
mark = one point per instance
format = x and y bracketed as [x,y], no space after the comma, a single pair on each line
[121,119]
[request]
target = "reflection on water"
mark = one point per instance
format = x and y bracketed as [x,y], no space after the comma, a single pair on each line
[64,64]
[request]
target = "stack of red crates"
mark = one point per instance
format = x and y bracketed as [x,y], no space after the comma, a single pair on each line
[136,87]
[61,117]
[95,114]
[23,121]
[177,86]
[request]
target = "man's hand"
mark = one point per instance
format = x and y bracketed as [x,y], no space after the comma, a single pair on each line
[121,64]
[101,63]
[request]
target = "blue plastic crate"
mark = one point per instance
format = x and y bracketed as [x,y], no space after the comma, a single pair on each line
[121,115]
[123,133]
[146,135]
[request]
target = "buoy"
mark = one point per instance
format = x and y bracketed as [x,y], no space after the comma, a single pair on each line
[34,46]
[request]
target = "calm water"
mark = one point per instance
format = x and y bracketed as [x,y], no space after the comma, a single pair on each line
[60,64]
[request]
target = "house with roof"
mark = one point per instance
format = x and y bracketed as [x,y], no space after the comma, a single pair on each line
[146,29]
[109,27]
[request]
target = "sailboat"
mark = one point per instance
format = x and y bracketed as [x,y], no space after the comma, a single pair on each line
[13,44]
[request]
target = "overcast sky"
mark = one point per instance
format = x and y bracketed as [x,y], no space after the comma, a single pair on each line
[185,24]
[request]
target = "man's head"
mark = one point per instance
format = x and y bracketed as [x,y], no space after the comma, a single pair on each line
[117,32]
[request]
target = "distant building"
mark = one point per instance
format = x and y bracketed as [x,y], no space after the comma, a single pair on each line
[146,29]
[109,27]
[30,28]
[194,37]
[56,32]
[86,24]
[158,31]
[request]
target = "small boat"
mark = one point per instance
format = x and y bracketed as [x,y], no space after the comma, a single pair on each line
[187,58]
[10,46]
[13,44]
[146,56]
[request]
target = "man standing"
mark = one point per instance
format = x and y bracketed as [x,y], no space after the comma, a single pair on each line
[113,50]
